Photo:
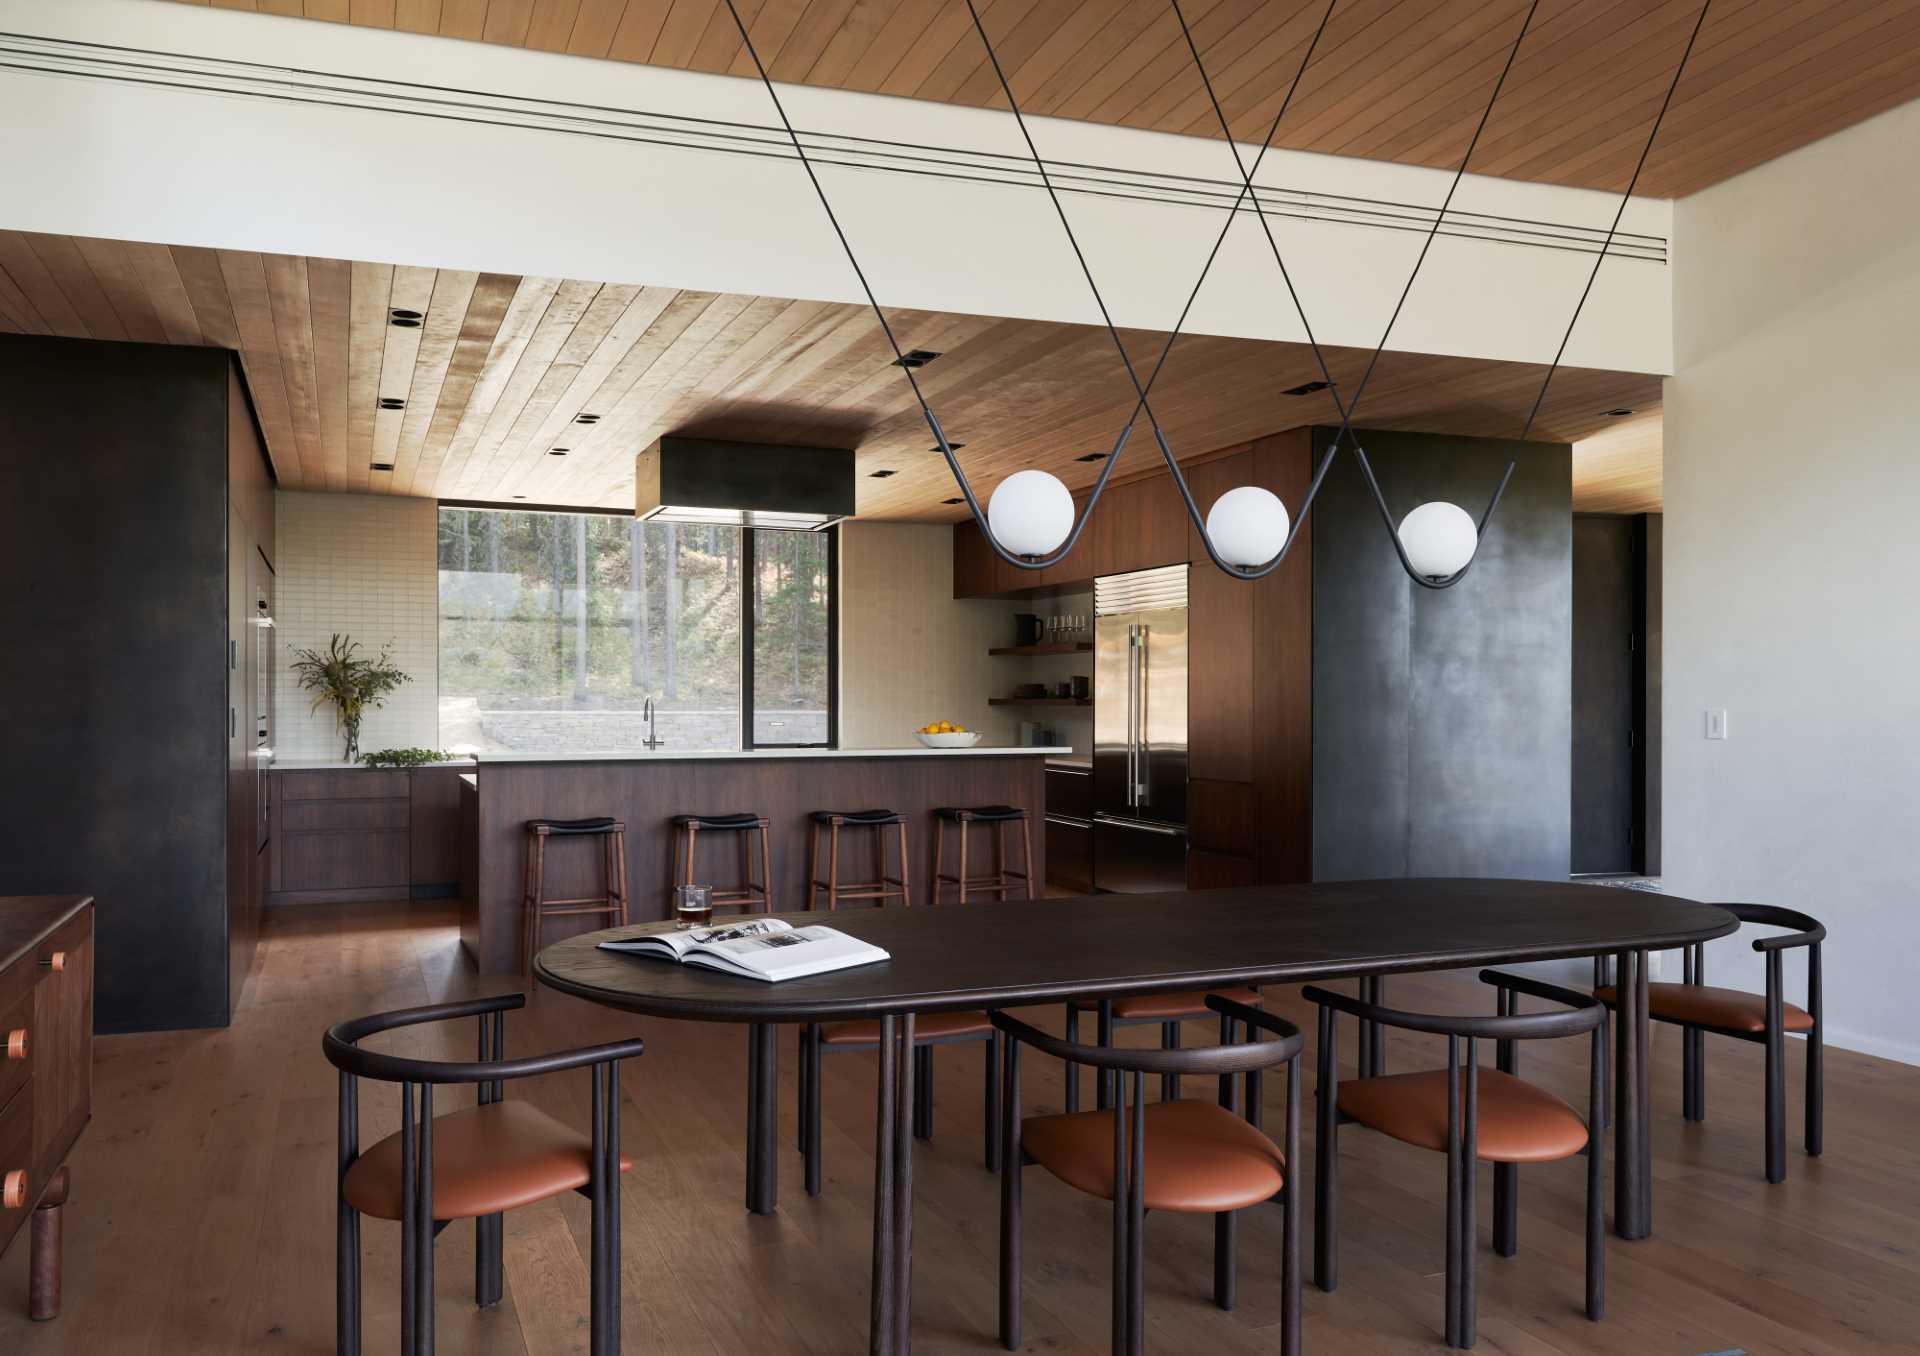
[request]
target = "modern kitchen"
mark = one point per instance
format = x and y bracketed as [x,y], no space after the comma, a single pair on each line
[1011,655]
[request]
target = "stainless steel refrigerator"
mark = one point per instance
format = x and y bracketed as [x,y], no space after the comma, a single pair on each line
[1140,731]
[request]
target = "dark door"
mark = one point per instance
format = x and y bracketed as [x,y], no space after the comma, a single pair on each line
[1605,623]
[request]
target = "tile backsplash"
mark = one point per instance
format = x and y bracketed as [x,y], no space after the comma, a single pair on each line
[364,566]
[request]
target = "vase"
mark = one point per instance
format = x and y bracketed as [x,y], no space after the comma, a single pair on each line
[352,731]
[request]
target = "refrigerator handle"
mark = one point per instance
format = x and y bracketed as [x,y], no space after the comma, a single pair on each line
[1143,793]
[1133,710]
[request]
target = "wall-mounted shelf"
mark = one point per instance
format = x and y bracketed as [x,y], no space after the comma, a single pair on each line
[1057,647]
[1039,701]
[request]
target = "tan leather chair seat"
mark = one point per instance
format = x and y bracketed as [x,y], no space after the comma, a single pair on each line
[932,1026]
[1167,1007]
[1200,1158]
[1517,1122]
[1700,1005]
[486,1159]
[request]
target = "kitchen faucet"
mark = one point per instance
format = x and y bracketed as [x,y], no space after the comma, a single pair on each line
[652,741]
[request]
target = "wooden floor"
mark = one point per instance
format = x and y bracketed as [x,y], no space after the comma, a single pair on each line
[202,1214]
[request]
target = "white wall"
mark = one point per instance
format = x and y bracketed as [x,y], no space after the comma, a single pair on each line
[364,566]
[131,161]
[1793,566]
[911,653]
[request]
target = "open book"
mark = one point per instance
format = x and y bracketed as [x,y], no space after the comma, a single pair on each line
[766,948]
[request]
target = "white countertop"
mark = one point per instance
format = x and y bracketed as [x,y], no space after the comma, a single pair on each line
[668,755]
[339,765]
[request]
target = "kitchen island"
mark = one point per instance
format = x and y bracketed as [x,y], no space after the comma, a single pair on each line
[646,790]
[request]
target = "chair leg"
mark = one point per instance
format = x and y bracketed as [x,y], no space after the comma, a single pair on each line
[1226,1235]
[906,870]
[1290,1297]
[1012,1160]
[489,1280]
[1816,1056]
[1170,1040]
[1506,1209]
[1776,1079]
[766,870]
[800,1076]
[1104,1079]
[1456,1175]
[1026,851]
[409,1249]
[1596,1177]
[963,862]
[1326,1160]
[939,856]
[833,866]
[991,1100]
[923,1092]
[813,869]
[810,1112]
[1689,1074]
[423,1232]
[1071,1071]
[604,1185]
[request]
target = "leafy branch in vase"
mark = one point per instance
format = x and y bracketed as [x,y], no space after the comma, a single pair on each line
[352,684]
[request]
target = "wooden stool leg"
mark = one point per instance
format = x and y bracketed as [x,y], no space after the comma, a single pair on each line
[1026,851]
[1000,859]
[43,1283]
[939,853]
[813,869]
[620,870]
[766,869]
[877,842]
[536,892]
[963,861]
[906,887]
[833,866]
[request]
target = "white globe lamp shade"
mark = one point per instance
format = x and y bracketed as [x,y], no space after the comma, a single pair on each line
[1247,526]
[1030,513]
[1439,539]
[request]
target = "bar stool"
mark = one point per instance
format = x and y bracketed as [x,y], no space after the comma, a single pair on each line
[537,908]
[997,883]
[831,822]
[748,894]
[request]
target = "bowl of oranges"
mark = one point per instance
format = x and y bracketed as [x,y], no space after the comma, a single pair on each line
[944,734]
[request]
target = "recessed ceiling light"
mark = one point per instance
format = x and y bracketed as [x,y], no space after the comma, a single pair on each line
[1093,456]
[953,501]
[402,324]
[586,418]
[519,496]
[917,357]
[558,451]
[1617,412]
[881,475]
[392,403]
[951,447]
[383,466]
[399,313]
[1305,388]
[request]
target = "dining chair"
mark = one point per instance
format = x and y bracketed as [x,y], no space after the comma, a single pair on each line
[1764,1018]
[1168,1011]
[1469,1114]
[1189,1157]
[473,1164]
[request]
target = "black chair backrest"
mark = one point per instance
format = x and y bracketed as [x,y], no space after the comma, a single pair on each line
[1582,1012]
[1200,1059]
[342,1047]
[1806,929]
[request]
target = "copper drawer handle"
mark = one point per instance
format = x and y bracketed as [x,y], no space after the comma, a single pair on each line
[13,1196]
[57,962]
[17,1043]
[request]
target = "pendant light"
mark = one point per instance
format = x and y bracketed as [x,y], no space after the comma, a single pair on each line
[1031,513]
[1248,526]
[1439,539]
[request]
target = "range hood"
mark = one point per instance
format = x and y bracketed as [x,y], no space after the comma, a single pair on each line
[761,485]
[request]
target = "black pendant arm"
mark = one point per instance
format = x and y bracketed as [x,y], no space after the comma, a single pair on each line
[980,517]
[1400,547]
[1247,572]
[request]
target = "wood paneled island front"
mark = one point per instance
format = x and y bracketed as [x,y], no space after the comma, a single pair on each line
[646,790]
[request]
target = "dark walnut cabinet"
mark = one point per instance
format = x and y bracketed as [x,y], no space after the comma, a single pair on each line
[344,834]
[46,1071]
[1250,673]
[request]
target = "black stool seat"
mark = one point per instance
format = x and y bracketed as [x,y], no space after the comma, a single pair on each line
[603,824]
[859,816]
[740,821]
[981,813]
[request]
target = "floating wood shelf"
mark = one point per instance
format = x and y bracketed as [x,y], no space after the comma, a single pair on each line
[1039,701]
[1058,647]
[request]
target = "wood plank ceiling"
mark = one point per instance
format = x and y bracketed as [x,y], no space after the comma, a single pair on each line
[1398,80]
[498,372]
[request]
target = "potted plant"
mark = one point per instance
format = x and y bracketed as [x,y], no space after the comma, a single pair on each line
[352,683]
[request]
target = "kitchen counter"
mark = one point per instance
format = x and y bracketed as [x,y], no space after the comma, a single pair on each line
[341,765]
[785,785]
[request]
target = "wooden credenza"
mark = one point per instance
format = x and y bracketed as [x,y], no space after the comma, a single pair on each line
[46,1070]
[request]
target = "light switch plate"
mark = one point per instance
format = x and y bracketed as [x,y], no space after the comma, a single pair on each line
[1716,722]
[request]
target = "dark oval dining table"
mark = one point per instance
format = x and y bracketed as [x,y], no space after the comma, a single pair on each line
[1006,955]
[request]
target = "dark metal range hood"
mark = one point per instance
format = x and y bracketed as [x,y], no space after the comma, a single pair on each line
[761,485]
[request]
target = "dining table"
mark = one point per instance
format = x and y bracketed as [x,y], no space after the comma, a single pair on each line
[1018,953]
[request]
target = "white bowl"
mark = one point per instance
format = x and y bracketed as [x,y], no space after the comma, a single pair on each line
[965,740]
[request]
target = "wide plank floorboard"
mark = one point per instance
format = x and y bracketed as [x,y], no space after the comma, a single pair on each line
[202,1214]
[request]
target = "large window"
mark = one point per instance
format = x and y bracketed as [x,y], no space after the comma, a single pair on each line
[555,629]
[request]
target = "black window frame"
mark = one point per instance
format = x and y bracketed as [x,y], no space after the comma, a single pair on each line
[749,559]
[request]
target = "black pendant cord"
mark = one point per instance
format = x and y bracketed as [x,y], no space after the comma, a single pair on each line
[1347,408]
[1618,213]
[1141,392]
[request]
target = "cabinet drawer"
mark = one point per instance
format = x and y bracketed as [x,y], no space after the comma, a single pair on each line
[343,860]
[1070,792]
[16,1048]
[302,815]
[367,784]
[16,1156]
[1069,854]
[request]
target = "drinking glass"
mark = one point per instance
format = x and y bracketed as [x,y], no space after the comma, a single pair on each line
[692,906]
